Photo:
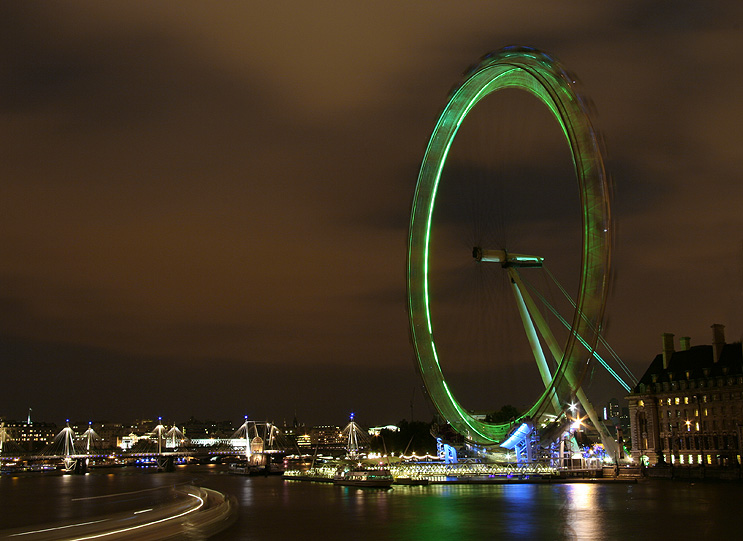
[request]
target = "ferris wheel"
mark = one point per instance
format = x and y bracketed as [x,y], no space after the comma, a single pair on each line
[535,73]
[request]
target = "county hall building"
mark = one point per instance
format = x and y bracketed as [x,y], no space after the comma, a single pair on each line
[687,408]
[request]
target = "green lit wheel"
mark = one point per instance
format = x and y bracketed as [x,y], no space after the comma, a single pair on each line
[539,74]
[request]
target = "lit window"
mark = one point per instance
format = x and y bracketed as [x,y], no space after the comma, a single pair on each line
[677,401]
[641,403]
[686,400]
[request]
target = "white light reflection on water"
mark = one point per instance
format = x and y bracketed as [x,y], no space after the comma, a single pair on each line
[582,521]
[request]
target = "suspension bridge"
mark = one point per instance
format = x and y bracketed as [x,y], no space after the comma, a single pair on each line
[255,444]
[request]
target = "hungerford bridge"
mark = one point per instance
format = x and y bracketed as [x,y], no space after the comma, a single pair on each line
[252,442]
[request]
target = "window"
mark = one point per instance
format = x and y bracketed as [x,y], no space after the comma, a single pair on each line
[686,400]
[677,400]
[641,403]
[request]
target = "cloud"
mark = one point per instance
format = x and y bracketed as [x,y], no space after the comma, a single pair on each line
[235,183]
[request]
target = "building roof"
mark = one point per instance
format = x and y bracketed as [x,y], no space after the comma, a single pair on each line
[698,361]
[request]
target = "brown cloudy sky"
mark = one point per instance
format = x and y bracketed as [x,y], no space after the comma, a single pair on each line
[204,206]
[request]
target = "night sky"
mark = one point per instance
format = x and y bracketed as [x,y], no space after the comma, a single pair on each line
[204,207]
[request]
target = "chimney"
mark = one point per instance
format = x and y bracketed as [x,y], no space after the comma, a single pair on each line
[718,341]
[685,343]
[667,348]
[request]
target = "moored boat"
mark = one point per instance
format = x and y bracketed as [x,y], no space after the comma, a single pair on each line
[364,477]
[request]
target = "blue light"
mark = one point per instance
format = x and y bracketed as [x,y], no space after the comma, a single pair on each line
[517,436]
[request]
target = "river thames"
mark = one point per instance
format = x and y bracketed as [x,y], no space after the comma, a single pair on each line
[274,508]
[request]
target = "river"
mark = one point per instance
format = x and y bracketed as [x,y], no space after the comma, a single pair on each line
[273,508]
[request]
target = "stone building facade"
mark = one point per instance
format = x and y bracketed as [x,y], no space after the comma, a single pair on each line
[687,409]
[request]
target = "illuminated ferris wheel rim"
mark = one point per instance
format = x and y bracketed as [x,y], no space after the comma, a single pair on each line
[541,75]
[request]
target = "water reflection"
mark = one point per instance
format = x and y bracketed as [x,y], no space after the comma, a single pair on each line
[272,508]
[581,519]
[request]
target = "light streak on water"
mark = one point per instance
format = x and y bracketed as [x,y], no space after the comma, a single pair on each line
[58,528]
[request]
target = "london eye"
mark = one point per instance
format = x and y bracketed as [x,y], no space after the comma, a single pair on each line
[562,357]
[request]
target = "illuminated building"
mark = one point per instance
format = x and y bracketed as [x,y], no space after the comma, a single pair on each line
[688,409]
[616,419]
[31,436]
[304,441]
[296,434]
[327,437]
[196,429]
[377,430]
